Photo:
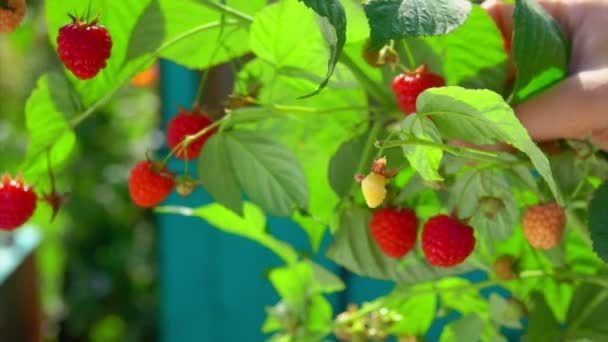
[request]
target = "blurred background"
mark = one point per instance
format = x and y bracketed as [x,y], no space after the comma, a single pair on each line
[97,262]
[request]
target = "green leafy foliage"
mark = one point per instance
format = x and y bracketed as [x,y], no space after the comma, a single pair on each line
[217,175]
[344,164]
[467,328]
[503,313]
[418,312]
[303,308]
[392,19]
[425,159]
[165,24]
[46,115]
[476,66]
[296,156]
[272,39]
[468,193]
[482,117]
[598,217]
[539,49]
[542,325]
[333,15]
[587,313]
[267,172]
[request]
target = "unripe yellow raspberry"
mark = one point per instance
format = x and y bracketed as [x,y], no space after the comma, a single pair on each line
[373,187]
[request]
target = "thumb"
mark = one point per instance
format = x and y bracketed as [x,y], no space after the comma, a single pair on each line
[573,108]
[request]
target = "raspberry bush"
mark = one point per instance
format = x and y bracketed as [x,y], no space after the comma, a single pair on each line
[315,131]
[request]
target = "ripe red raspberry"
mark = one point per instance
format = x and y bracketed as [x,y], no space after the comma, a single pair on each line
[149,186]
[11,15]
[84,47]
[188,123]
[17,202]
[446,242]
[543,225]
[409,85]
[395,231]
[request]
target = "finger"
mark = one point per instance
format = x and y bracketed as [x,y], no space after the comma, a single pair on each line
[502,13]
[573,109]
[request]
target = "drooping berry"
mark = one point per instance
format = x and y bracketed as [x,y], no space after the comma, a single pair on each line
[409,85]
[395,231]
[373,185]
[374,190]
[149,184]
[17,202]
[504,267]
[446,241]
[543,225]
[490,206]
[84,47]
[11,15]
[379,57]
[186,124]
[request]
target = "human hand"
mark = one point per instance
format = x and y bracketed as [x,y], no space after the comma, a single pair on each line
[577,107]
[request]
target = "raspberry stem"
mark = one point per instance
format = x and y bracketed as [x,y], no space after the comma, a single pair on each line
[376,91]
[236,14]
[459,151]
[191,138]
[365,156]
[410,56]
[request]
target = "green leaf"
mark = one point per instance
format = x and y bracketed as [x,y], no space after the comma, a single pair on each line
[344,163]
[357,28]
[217,176]
[148,33]
[499,310]
[466,194]
[319,315]
[598,221]
[268,172]
[539,49]
[467,328]
[542,325]
[393,19]
[251,226]
[333,15]
[326,282]
[355,249]
[46,113]
[418,313]
[482,117]
[329,119]
[424,159]
[275,39]
[587,313]
[204,48]
[298,282]
[465,302]
[475,66]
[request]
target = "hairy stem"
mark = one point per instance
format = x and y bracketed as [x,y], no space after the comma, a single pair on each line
[229,11]
[460,151]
